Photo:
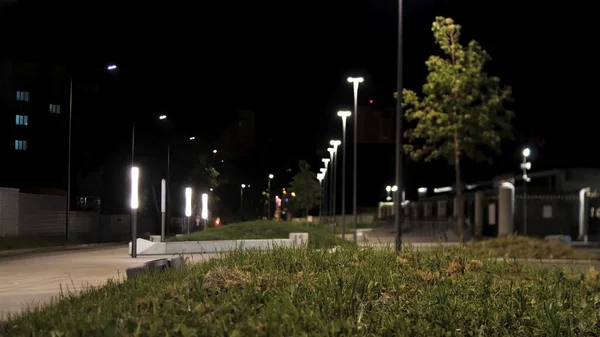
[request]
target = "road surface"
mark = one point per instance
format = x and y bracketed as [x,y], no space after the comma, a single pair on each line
[37,278]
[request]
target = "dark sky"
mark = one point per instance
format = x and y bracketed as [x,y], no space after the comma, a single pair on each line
[287,61]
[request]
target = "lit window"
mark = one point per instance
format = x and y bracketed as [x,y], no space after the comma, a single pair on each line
[22,120]
[20,145]
[23,96]
[55,108]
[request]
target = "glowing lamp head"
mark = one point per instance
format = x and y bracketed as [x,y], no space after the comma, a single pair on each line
[526,152]
[355,79]
[111,67]
[161,117]
[371,101]
[215,151]
[344,114]
[394,188]
[335,143]
[204,206]
[388,188]
[243,185]
[271,176]
[192,138]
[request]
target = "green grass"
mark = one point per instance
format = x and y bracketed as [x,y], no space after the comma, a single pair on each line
[27,242]
[318,236]
[291,292]
[528,248]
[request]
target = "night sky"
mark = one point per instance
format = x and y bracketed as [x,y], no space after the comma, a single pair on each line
[288,61]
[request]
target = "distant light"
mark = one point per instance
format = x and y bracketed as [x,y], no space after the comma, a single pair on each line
[248,185]
[162,117]
[335,143]
[370,101]
[112,67]
[211,189]
[323,170]
[388,188]
[293,194]
[526,152]
[222,161]
[243,185]
[215,151]
[470,187]
[355,79]
[192,138]
[422,190]
[188,201]
[394,188]
[442,189]
[135,177]
[271,176]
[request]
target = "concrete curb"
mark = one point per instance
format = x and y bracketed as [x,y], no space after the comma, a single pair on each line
[19,252]
[155,266]
[548,261]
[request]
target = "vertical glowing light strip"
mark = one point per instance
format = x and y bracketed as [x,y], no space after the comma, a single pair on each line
[135,177]
[163,196]
[188,201]
[204,206]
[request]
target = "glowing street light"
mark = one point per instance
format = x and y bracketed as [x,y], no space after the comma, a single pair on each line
[111,67]
[192,138]
[215,151]
[355,83]
[134,204]
[525,166]
[388,189]
[271,176]
[204,214]
[344,114]
[335,143]
[161,117]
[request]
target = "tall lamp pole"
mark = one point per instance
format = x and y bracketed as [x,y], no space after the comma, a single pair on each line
[399,119]
[332,185]
[344,115]
[328,183]
[134,204]
[355,83]
[269,196]
[320,177]
[525,166]
[242,201]
[68,201]
[335,144]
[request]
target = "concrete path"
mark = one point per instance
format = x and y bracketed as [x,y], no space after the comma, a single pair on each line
[36,279]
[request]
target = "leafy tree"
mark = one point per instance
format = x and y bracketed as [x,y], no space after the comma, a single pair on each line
[462,109]
[305,191]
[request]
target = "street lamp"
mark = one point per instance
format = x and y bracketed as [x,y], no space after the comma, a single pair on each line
[344,114]
[355,83]
[331,151]
[399,119]
[269,196]
[163,207]
[161,117]
[134,204]
[320,177]
[335,144]
[192,138]
[188,206]
[388,189]
[68,201]
[394,197]
[525,166]
[242,200]
[215,151]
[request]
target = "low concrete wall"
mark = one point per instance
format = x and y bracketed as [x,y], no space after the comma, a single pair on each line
[146,247]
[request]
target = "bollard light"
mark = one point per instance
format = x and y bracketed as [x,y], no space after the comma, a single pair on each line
[188,201]
[204,206]
[135,178]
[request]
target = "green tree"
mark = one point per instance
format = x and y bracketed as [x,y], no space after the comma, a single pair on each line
[305,192]
[461,113]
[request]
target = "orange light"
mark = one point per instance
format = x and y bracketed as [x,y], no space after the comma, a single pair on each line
[370,101]
[217,222]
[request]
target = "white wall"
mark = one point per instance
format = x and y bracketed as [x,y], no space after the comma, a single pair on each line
[9,211]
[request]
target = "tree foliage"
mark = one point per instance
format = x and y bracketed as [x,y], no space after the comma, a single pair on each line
[306,188]
[462,110]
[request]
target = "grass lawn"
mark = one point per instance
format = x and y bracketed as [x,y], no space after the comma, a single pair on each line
[26,242]
[291,292]
[528,248]
[318,236]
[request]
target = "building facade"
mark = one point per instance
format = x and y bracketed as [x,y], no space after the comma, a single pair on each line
[33,124]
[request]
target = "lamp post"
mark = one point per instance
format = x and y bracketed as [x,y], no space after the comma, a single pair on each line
[525,166]
[399,119]
[331,151]
[68,201]
[325,190]
[269,196]
[355,83]
[188,206]
[320,177]
[328,182]
[388,189]
[344,116]
[335,144]
[163,208]
[242,200]
[394,196]
[134,204]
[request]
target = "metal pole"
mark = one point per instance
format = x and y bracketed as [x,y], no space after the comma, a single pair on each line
[334,161]
[168,187]
[325,196]
[269,200]
[355,158]
[330,206]
[344,177]
[134,233]
[163,208]
[68,201]
[524,196]
[242,203]
[399,118]
[188,224]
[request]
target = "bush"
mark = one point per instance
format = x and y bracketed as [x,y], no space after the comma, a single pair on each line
[291,292]
[318,236]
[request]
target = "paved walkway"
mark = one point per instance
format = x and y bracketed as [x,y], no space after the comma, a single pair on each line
[35,279]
